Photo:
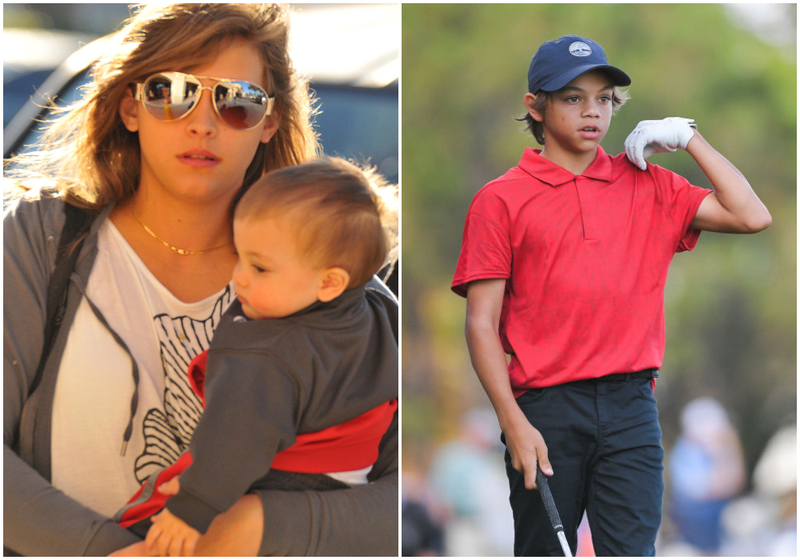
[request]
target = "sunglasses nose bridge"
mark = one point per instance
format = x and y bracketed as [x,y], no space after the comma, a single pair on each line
[193,113]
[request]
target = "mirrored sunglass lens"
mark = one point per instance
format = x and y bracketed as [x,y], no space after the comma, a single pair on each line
[168,99]
[240,104]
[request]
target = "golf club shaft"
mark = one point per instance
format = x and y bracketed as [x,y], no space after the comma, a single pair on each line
[562,538]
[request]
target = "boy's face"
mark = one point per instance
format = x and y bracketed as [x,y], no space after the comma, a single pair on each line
[578,116]
[272,278]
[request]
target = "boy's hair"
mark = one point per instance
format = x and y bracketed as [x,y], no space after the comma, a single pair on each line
[618,98]
[90,155]
[343,215]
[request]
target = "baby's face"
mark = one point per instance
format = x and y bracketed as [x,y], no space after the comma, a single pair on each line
[271,278]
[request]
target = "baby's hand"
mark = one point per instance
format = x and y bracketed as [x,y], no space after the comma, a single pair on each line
[171,487]
[170,536]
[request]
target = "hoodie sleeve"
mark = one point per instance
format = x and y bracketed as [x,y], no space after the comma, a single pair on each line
[253,403]
[358,521]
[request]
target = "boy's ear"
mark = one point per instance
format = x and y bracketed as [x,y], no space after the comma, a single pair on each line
[334,282]
[129,111]
[530,99]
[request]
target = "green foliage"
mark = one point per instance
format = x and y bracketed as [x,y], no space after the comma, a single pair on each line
[730,305]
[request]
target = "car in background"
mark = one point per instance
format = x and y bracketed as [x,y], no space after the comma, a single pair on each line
[350,53]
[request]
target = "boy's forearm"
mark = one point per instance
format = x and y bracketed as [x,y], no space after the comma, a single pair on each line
[523,441]
[739,209]
[489,362]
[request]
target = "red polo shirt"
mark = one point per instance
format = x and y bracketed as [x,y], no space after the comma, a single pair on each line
[585,258]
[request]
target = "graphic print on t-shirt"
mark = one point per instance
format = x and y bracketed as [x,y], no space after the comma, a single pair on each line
[167,432]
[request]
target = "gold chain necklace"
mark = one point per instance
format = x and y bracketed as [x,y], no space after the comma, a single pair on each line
[179,251]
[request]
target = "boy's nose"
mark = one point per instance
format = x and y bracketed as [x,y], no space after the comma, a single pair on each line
[592,109]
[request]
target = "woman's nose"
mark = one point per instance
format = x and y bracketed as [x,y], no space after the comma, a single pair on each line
[203,118]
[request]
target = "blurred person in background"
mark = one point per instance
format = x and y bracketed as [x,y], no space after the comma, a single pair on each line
[764,523]
[706,467]
[467,480]
[421,529]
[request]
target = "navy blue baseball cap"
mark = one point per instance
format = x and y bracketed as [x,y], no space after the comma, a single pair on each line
[558,62]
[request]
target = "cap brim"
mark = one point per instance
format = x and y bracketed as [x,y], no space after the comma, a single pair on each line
[618,77]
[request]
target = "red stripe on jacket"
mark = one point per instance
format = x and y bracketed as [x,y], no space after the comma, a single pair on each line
[348,446]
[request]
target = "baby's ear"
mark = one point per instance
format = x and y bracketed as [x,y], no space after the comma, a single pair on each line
[334,282]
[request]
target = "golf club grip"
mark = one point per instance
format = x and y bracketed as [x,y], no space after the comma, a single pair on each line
[547,499]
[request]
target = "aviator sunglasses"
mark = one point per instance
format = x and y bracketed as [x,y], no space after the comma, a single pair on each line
[170,96]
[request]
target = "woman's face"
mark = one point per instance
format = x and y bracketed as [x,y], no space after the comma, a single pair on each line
[199,158]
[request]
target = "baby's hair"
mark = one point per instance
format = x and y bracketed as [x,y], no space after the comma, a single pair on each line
[618,98]
[343,215]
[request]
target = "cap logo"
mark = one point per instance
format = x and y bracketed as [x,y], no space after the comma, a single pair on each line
[579,48]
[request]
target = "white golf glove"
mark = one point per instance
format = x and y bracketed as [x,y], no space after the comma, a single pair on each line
[655,137]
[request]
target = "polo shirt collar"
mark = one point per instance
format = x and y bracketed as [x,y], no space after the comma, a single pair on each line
[554,175]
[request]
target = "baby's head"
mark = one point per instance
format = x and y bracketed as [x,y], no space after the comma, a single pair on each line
[309,232]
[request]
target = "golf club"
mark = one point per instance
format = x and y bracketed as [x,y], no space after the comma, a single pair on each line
[552,512]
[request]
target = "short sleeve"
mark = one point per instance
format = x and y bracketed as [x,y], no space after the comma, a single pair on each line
[683,199]
[486,243]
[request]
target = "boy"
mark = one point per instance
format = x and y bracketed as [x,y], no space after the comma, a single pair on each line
[563,264]
[309,348]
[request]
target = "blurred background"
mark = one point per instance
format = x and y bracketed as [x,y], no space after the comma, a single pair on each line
[727,393]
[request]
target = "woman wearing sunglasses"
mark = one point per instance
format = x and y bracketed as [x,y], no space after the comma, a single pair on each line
[192,105]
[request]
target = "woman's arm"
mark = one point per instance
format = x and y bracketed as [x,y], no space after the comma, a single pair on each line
[359,521]
[38,519]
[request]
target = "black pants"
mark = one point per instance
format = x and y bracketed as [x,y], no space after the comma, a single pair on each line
[604,443]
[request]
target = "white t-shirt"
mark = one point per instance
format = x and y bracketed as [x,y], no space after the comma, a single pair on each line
[95,385]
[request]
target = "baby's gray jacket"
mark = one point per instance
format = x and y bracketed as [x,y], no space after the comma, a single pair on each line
[271,379]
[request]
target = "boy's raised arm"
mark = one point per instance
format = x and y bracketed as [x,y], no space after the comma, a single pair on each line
[733,207]
[524,442]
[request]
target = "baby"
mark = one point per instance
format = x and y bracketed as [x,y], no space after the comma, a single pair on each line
[302,371]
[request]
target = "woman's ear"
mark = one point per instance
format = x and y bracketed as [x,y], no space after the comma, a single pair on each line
[530,100]
[129,111]
[271,125]
[334,282]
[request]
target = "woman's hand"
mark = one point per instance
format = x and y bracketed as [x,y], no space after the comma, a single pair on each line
[237,532]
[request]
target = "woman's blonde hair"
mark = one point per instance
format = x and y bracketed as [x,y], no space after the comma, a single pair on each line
[89,155]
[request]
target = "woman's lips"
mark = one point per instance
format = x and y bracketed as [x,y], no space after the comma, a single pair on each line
[199,158]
